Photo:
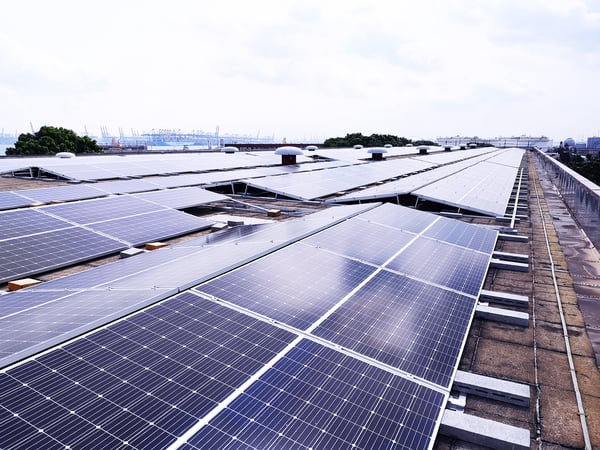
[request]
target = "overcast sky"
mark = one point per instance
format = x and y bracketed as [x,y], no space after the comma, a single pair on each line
[305,69]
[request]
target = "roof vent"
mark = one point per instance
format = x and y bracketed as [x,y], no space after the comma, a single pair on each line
[377,153]
[423,149]
[65,155]
[229,150]
[358,147]
[288,154]
[388,145]
[311,148]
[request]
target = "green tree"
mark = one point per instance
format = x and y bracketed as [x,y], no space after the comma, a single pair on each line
[51,140]
[375,140]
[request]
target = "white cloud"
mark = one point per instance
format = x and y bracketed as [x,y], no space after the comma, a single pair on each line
[303,68]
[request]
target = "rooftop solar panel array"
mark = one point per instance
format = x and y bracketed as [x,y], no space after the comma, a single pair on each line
[321,183]
[483,188]
[308,343]
[42,239]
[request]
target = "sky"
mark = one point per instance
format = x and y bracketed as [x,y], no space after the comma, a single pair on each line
[303,70]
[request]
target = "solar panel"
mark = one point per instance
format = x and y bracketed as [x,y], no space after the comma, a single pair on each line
[152,226]
[49,319]
[446,265]
[316,397]
[464,234]
[24,222]
[63,193]
[356,238]
[407,324]
[23,256]
[126,186]
[140,382]
[102,209]
[182,197]
[10,200]
[404,219]
[295,285]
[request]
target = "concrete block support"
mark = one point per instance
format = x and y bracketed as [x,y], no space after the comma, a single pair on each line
[484,432]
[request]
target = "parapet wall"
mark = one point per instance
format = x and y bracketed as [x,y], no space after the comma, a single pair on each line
[580,195]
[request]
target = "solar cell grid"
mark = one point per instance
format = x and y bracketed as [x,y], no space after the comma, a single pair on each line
[463,234]
[363,240]
[47,318]
[38,253]
[63,193]
[102,209]
[10,200]
[316,397]
[443,264]
[140,382]
[151,226]
[25,222]
[404,219]
[295,285]
[404,323]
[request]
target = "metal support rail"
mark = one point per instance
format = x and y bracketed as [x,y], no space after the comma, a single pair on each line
[514,214]
[581,411]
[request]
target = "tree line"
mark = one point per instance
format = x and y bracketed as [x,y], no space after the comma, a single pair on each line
[588,167]
[374,140]
[51,140]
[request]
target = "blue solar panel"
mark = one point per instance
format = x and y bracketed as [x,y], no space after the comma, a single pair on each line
[63,193]
[363,240]
[42,252]
[295,285]
[25,222]
[318,398]
[126,186]
[48,318]
[464,234]
[141,382]
[404,323]
[9,200]
[102,209]
[401,218]
[154,225]
[447,265]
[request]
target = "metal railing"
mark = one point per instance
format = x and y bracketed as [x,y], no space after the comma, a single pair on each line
[581,196]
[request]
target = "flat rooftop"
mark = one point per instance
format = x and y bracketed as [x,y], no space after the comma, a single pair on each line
[557,354]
